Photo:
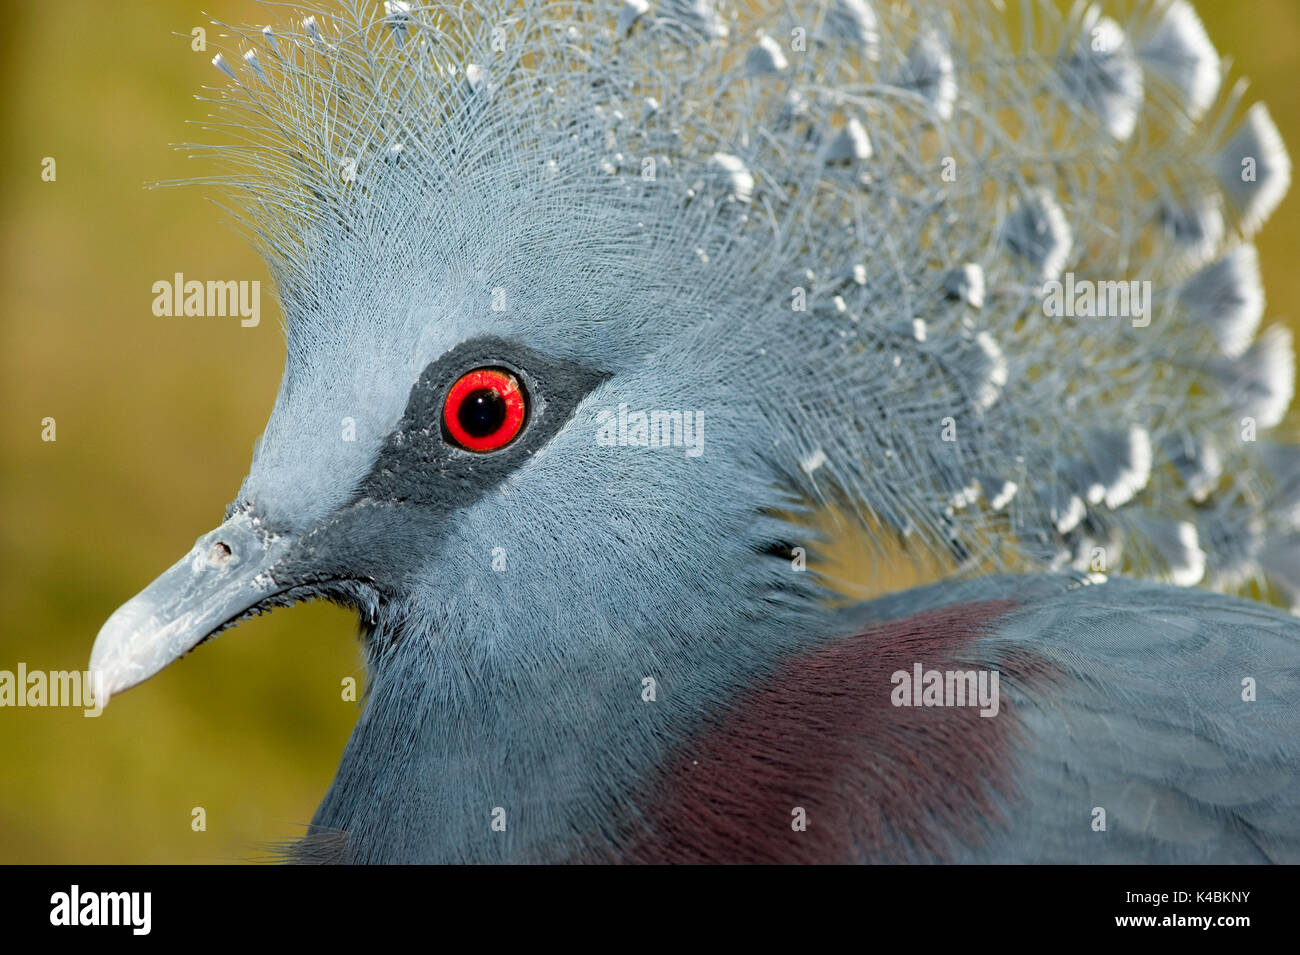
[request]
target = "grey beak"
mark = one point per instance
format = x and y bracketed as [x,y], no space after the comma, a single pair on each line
[227,573]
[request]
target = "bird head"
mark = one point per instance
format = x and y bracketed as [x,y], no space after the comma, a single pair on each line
[529,409]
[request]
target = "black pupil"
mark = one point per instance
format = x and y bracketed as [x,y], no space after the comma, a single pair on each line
[482,413]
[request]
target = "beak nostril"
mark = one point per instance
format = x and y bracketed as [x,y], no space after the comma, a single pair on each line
[220,554]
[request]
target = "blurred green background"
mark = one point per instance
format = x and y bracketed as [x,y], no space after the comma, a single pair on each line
[156,420]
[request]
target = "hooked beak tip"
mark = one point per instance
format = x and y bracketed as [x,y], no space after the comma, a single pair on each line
[116,659]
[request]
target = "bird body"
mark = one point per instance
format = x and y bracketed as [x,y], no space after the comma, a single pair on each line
[827,239]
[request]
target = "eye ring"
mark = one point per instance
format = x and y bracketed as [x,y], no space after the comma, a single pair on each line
[484,410]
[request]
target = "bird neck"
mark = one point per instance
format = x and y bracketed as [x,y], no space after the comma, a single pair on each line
[494,747]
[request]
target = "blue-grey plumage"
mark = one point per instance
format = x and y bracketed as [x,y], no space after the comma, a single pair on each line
[699,269]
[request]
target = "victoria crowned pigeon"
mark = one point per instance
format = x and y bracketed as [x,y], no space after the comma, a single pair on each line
[595,310]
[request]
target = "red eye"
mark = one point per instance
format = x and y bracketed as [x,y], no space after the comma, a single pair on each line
[484,409]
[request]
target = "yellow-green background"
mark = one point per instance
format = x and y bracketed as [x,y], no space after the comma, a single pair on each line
[156,421]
